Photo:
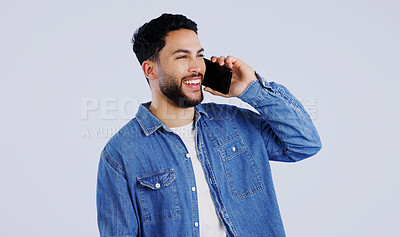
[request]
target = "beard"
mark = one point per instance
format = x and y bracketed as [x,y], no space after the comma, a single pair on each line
[173,91]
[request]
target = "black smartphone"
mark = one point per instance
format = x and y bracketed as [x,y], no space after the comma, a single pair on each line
[217,77]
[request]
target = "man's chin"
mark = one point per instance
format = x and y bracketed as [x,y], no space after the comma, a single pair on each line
[182,99]
[187,102]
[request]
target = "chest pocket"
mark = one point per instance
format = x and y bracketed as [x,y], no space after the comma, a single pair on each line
[240,167]
[158,195]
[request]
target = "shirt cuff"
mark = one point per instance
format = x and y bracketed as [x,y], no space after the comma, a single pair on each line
[256,91]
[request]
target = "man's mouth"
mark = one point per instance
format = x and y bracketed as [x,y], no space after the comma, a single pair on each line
[194,81]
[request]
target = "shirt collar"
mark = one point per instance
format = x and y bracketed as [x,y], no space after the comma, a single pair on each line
[150,123]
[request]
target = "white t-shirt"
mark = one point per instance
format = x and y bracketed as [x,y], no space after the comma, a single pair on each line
[209,223]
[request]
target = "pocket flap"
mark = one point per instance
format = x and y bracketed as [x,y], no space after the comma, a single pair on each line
[156,180]
[233,149]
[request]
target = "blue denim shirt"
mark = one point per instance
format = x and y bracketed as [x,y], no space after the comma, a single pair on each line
[145,174]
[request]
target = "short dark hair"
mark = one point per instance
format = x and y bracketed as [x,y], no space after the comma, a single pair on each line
[149,39]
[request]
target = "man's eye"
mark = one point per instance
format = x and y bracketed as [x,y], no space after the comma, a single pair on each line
[200,55]
[181,57]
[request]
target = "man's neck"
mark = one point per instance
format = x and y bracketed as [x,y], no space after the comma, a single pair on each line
[170,114]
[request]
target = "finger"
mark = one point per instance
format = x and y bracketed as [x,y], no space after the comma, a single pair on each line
[214,59]
[214,92]
[221,61]
[230,60]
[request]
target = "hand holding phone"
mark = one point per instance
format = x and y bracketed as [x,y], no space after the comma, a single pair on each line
[217,77]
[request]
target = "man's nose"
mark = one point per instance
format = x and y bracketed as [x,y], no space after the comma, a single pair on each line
[195,65]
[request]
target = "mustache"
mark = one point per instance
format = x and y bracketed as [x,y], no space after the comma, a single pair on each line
[194,75]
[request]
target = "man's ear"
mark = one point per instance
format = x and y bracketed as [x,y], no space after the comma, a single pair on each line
[150,69]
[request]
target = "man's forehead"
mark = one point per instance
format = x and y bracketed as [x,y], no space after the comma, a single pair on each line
[182,40]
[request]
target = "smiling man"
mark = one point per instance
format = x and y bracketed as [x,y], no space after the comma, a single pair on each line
[183,168]
[175,77]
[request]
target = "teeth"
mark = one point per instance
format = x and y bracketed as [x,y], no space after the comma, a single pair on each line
[192,81]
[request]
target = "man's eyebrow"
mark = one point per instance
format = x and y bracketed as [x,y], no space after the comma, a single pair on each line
[186,51]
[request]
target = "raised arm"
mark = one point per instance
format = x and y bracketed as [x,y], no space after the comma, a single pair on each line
[287,129]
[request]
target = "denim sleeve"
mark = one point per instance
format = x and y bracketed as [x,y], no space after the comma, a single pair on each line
[286,127]
[115,212]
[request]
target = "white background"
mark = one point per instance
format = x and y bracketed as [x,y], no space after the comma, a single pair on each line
[57,55]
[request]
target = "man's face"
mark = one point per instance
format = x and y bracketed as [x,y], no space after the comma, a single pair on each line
[181,68]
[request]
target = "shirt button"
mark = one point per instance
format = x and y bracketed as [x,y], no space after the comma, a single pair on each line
[196,224]
[187,155]
[193,189]
[233,149]
[158,185]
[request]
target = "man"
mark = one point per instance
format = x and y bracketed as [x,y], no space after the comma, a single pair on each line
[182,168]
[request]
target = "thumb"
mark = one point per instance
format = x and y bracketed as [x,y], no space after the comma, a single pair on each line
[214,92]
